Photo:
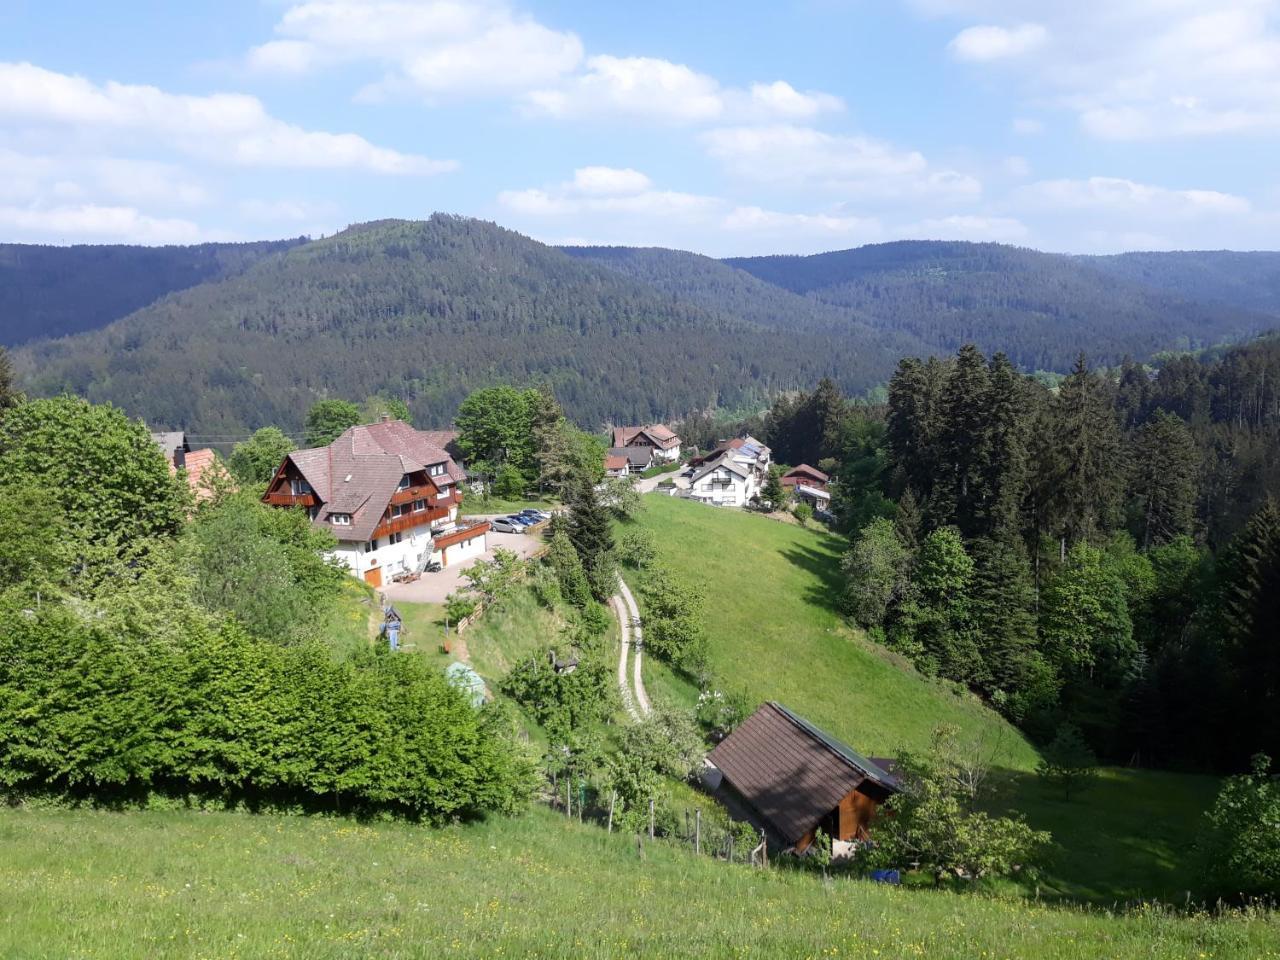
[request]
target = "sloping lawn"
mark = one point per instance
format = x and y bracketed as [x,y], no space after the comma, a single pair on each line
[182,884]
[775,634]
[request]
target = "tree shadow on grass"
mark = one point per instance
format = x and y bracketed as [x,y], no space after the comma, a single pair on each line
[826,591]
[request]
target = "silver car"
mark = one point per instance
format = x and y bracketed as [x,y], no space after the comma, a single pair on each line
[506,525]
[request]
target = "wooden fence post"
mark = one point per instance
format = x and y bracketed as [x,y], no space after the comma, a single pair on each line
[612,797]
[651,818]
[697,830]
[568,797]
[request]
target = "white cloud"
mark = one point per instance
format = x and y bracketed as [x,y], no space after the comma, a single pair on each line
[780,99]
[27,178]
[1016,166]
[968,227]
[853,166]
[1141,69]
[97,223]
[985,43]
[222,127]
[635,86]
[1128,197]
[751,219]
[605,181]
[1027,126]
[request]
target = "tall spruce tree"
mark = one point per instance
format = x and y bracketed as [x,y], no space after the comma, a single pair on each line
[914,423]
[1087,453]
[1162,479]
[1006,479]
[1250,616]
[960,489]
[591,533]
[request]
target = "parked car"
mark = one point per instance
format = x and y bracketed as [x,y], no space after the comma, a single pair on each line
[506,525]
[520,519]
[536,515]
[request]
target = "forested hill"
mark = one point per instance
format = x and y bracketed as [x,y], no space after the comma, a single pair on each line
[429,311]
[1040,308]
[1249,279]
[55,291]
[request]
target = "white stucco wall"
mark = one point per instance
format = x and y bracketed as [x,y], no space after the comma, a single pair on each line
[392,558]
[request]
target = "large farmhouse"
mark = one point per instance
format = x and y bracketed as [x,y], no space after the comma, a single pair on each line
[792,779]
[388,495]
[661,440]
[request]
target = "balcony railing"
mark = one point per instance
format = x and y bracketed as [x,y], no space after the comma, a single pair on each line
[283,498]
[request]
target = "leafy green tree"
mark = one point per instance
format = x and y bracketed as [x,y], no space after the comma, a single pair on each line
[876,569]
[933,822]
[1163,481]
[35,550]
[590,530]
[636,549]
[562,701]
[940,615]
[495,580]
[256,460]
[329,419]
[376,407]
[495,429]
[101,469]
[1067,763]
[620,495]
[773,493]
[1245,850]
[673,622]
[1084,617]
[509,482]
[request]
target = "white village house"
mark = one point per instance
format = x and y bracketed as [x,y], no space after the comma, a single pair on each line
[389,495]
[732,475]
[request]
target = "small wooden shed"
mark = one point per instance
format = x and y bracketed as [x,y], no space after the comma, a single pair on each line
[795,778]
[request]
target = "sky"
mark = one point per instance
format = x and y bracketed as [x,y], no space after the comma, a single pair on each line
[751,127]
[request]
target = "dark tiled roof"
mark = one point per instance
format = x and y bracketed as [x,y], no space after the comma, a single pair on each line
[358,473]
[790,771]
[804,468]
[636,456]
[659,434]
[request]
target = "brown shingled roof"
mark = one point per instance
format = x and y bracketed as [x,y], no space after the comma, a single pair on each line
[791,772]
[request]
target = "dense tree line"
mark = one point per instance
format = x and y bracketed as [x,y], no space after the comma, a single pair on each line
[149,645]
[1104,553]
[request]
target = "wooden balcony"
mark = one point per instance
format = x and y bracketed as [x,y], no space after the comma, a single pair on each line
[426,492]
[465,531]
[284,498]
[409,521]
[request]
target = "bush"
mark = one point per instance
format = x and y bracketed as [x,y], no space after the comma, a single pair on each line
[636,549]
[459,606]
[720,713]
[1245,821]
[673,626]
[561,702]
[95,709]
[803,513]
[1068,764]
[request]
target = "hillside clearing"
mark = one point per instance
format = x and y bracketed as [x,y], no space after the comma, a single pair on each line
[169,884]
[775,634]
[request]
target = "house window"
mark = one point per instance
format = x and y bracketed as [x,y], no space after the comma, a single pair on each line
[404,483]
[299,487]
[436,469]
[313,512]
[371,546]
[394,539]
[419,506]
[398,510]
[340,519]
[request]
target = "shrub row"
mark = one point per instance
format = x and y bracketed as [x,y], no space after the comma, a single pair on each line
[92,711]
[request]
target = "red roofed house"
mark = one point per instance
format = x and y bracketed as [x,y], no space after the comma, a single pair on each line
[388,495]
[658,437]
[616,466]
[808,485]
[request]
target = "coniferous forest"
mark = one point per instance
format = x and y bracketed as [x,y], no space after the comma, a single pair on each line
[1102,555]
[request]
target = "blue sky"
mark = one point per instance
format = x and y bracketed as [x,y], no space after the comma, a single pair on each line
[726,128]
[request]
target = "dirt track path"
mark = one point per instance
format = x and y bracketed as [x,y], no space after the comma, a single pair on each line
[624,605]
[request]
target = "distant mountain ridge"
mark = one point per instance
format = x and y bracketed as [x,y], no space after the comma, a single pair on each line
[235,336]
[55,291]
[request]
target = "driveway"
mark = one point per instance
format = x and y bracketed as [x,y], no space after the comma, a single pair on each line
[650,484]
[434,587]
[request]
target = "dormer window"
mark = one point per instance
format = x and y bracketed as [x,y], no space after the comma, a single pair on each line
[436,470]
[299,487]
[404,483]
[340,519]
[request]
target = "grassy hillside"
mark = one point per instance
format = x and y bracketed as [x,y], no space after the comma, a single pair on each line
[186,884]
[775,633]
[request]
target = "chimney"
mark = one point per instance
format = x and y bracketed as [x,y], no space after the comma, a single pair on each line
[179,458]
[384,418]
